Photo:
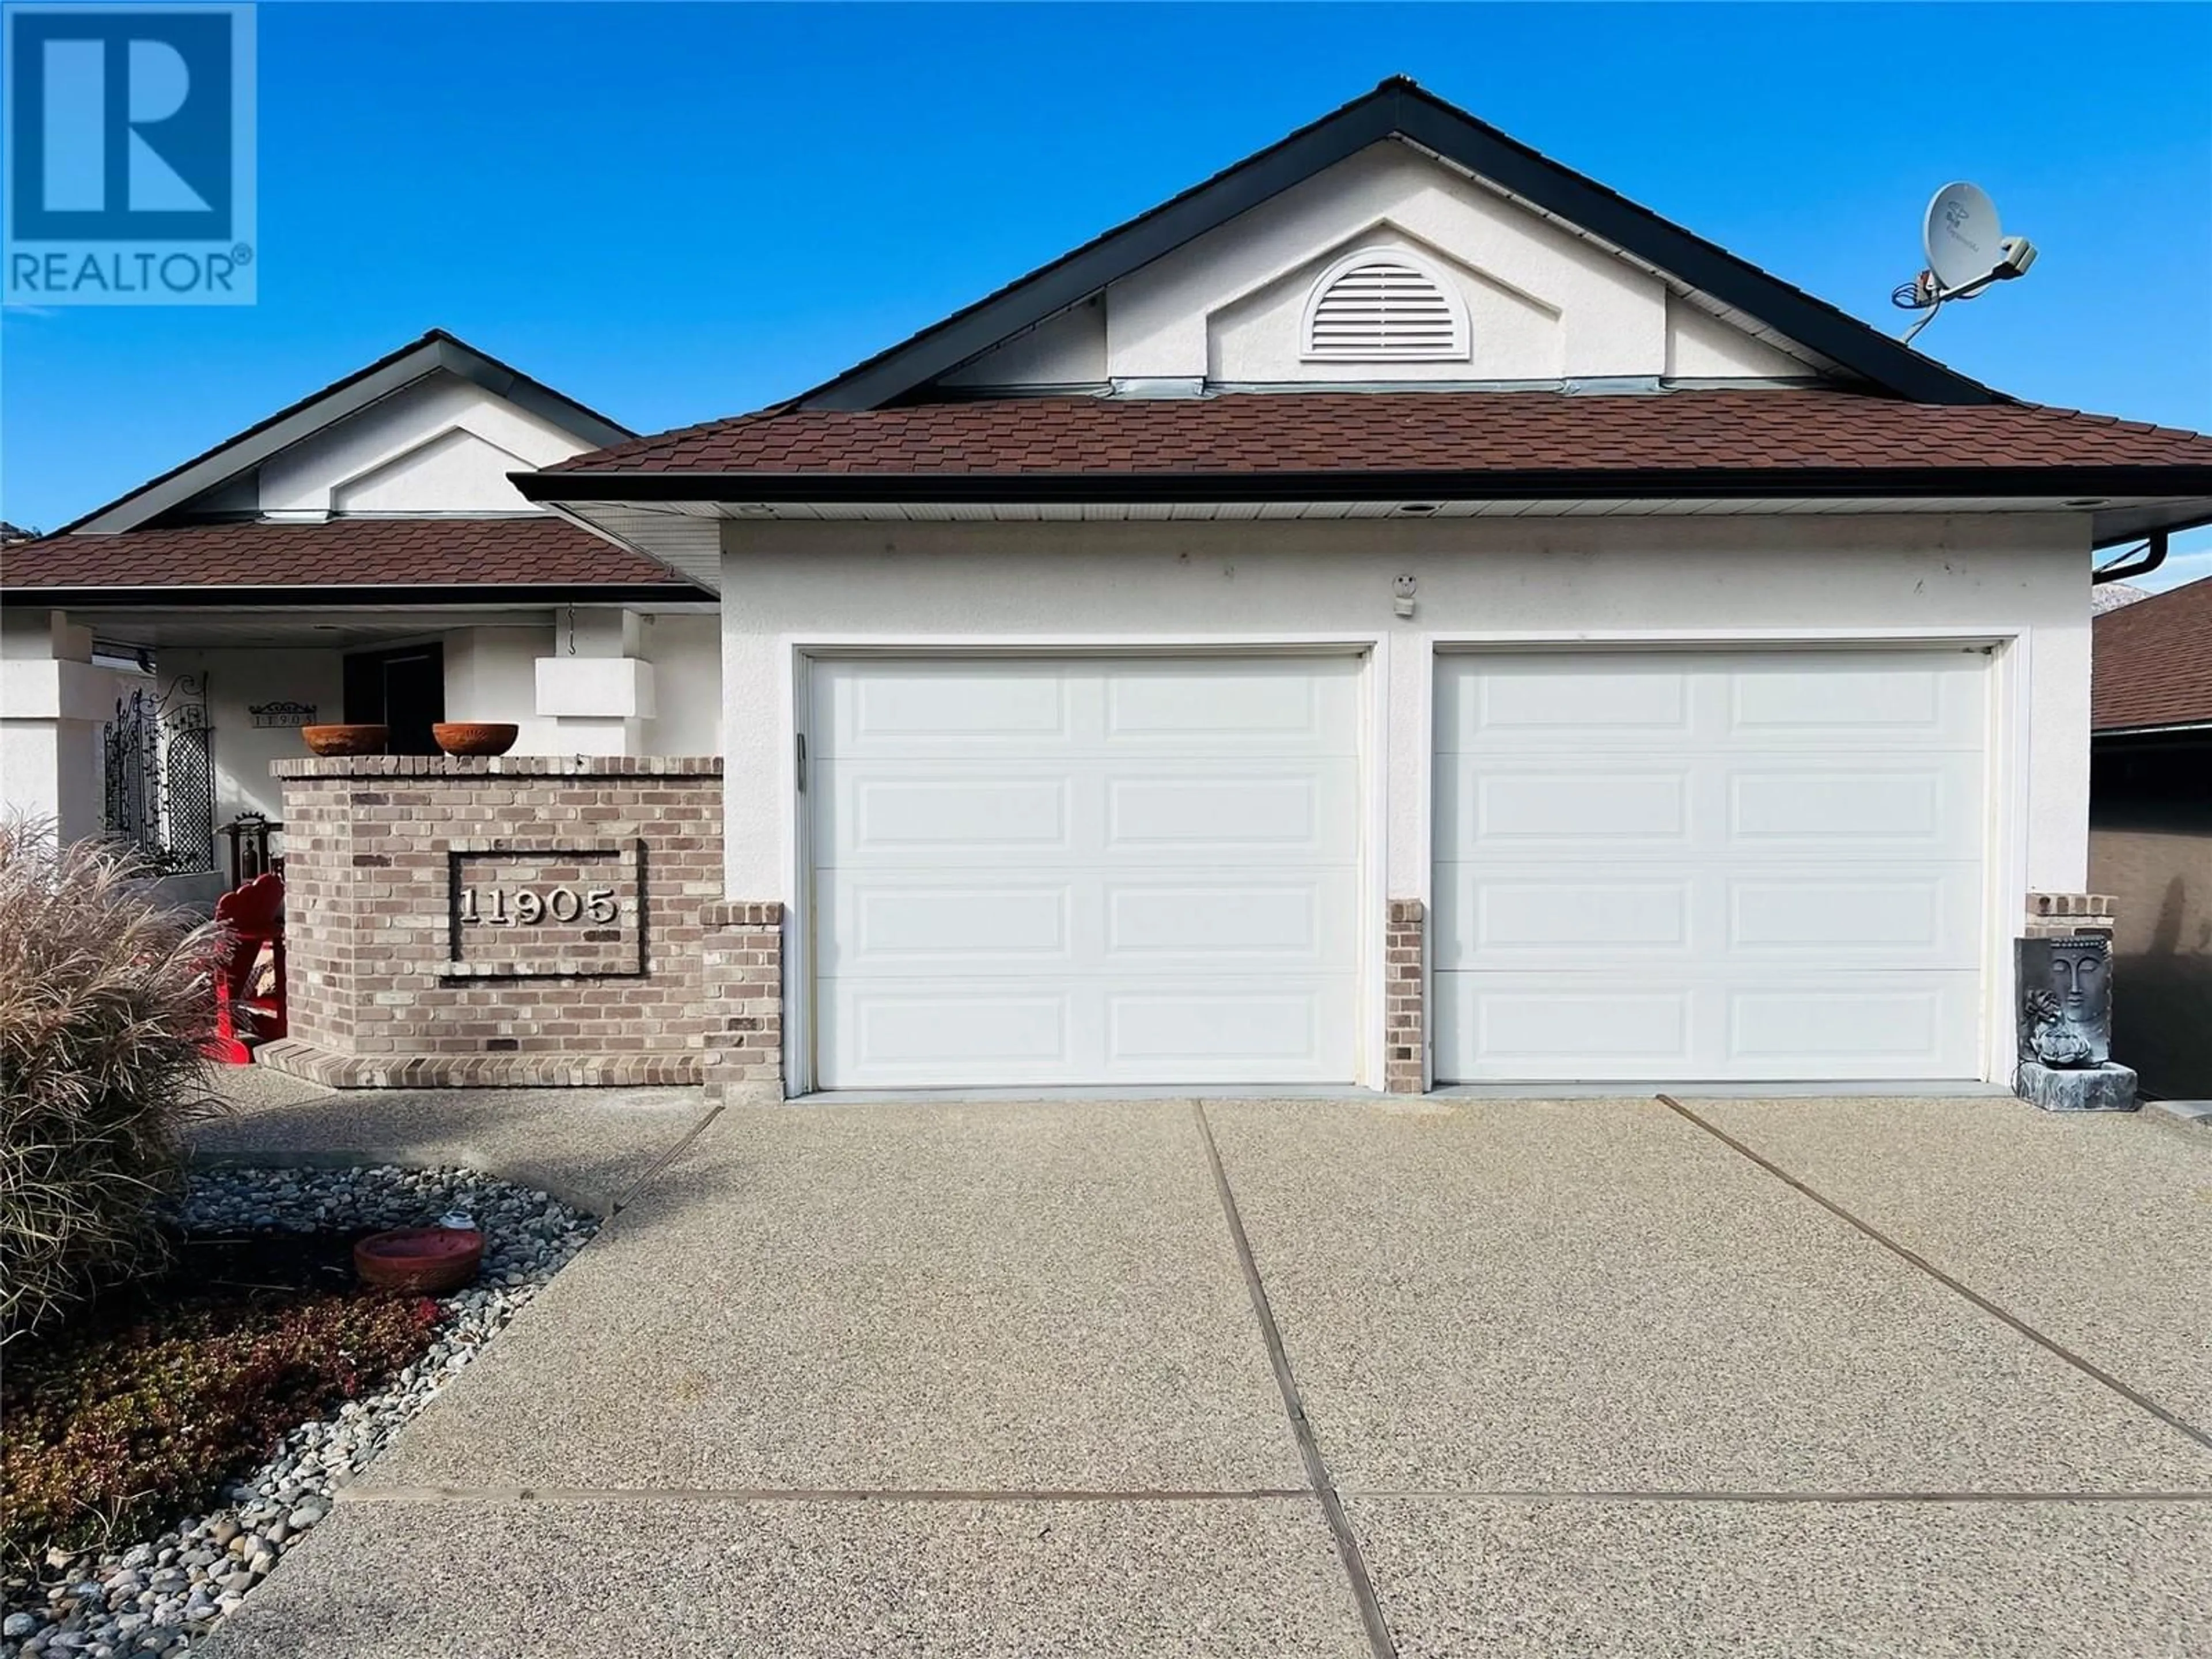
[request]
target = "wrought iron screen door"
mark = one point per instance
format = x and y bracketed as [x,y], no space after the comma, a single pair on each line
[160,777]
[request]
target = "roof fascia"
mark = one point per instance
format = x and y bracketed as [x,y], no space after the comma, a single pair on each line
[2026,483]
[386,597]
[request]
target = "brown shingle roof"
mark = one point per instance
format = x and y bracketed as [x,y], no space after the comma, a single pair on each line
[1353,432]
[531,551]
[2154,661]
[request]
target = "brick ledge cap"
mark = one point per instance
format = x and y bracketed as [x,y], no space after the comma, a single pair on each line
[499,766]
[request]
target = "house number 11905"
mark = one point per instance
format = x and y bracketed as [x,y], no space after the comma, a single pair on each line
[595,904]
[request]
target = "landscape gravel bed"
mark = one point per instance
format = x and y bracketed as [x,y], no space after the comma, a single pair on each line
[164,1594]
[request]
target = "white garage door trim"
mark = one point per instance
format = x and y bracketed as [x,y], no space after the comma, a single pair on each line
[1974,973]
[810,1015]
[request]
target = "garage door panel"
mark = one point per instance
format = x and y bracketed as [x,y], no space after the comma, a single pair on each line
[1612,702]
[1102,871]
[1799,805]
[1772,868]
[1166,1032]
[892,923]
[1536,1025]
[1287,921]
[1668,804]
[977,707]
[1151,1031]
[905,812]
[1922,915]
[1244,808]
[1923,699]
[1587,1028]
[870,814]
[996,1031]
[1879,1025]
[1520,805]
[1266,705]
[928,923]
[1530,702]
[943,707]
[1494,915]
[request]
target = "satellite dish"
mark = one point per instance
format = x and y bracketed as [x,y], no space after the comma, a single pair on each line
[1961,235]
[1966,253]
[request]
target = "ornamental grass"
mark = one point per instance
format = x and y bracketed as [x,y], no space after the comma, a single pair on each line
[105,996]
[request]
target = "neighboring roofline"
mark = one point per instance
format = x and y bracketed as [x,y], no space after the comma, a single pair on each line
[347,396]
[2169,728]
[1398,108]
[1596,484]
[381,594]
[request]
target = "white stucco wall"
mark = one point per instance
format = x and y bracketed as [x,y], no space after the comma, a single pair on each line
[2019,579]
[442,445]
[491,674]
[237,679]
[686,654]
[53,701]
[1544,304]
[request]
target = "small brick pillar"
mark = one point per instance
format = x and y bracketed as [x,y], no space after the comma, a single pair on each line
[744,979]
[1405,1025]
[514,920]
[2050,915]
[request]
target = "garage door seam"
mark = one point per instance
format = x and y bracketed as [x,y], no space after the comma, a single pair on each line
[2087,1367]
[1379,1638]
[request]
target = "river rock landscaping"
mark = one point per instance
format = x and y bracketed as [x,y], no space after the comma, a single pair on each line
[160,1583]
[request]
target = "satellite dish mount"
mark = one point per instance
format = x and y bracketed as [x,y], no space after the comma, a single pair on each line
[1967,251]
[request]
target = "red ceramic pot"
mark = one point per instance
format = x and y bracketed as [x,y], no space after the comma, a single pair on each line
[474,737]
[345,740]
[422,1261]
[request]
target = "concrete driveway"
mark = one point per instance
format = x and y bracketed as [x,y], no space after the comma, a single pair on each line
[1793,1377]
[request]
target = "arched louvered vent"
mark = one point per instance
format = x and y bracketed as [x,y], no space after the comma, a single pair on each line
[1384,307]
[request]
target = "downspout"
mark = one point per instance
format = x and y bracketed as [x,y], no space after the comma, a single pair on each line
[2153,556]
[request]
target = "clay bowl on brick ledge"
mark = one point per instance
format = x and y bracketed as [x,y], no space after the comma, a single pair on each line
[474,737]
[345,740]
[421,1260]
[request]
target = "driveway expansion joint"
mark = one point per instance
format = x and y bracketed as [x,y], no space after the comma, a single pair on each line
[1913,1258]
[628,1196]
[1669,1496]
[816,1495]
[1379,1637]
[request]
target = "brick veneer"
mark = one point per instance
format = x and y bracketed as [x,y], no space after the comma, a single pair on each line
[2050,915]
[376,999]
[744,963]
[1404,1028]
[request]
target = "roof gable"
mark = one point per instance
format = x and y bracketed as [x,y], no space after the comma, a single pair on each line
[212,478]
[1757,302]
[1512,298]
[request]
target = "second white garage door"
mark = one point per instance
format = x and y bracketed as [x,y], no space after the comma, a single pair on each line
[1085,871]
[1673,865]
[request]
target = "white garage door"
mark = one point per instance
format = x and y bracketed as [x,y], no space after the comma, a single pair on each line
[1663,865]
[1085,871]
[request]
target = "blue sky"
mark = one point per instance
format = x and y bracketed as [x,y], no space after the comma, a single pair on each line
[676,212]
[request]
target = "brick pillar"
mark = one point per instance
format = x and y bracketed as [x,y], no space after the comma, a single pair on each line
[744,983]
[1405,1025]
[499,922]
[2052,914]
